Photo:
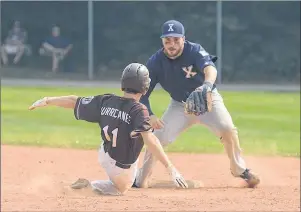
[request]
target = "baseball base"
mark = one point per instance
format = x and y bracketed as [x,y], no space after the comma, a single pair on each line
[192,184]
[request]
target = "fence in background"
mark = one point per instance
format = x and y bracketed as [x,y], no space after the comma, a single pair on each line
[257,42]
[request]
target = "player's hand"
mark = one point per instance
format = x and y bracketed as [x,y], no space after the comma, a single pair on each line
[155,122]
[177,178]
[39,103]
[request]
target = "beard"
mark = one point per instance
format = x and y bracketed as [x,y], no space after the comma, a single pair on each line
[174,54]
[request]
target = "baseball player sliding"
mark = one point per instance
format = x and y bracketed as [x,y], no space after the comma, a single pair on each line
[187,72]
[125,127]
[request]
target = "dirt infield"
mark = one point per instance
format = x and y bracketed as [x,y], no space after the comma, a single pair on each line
[38,179]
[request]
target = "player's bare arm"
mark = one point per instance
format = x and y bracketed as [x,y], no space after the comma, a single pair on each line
[210,74]
[59,101]
[154,146]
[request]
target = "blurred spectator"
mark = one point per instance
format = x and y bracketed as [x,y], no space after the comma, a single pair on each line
[15,44]
[56,46]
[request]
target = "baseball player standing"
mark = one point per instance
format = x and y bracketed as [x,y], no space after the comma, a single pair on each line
[187,72]
[125,126]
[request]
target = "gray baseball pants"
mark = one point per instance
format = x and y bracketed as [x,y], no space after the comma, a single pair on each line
[219,121]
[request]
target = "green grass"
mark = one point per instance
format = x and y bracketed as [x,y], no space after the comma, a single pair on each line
[268,123]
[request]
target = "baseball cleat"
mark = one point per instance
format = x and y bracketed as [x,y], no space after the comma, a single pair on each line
[80,183]
[251,178]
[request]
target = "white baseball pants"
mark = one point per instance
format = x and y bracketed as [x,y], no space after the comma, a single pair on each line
[120,180]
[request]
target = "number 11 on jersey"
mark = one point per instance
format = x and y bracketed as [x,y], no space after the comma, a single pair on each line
[114,133]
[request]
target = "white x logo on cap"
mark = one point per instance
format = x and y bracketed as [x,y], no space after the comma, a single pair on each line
[170,29]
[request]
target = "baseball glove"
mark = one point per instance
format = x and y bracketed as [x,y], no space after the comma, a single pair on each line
[199,101]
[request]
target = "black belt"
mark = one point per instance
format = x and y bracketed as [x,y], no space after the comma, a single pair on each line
[120,165]
[123,166]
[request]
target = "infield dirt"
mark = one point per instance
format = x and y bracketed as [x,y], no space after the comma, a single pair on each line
[38,179]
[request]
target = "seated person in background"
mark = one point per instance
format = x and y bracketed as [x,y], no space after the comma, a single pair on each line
[14,44]
[57,47]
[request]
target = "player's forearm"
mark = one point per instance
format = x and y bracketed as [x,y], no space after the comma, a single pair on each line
[154,146]
[62,101]
[210,74]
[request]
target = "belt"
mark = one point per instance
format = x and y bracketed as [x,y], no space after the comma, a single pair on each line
[123,166]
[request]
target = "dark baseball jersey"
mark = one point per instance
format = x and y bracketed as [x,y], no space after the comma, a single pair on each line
[180,76]
[120,120]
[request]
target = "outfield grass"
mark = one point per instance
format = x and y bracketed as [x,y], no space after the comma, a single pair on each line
[268,123]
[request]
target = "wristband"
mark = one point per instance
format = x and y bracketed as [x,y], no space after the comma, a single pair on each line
[209,84]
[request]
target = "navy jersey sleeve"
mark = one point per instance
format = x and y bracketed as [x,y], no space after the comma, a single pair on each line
[203,58]
[151,66]
[88,108]
[141,121]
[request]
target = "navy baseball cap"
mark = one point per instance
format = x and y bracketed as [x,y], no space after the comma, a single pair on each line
[172,28]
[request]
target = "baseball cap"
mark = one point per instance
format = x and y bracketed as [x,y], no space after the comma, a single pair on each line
[172,28]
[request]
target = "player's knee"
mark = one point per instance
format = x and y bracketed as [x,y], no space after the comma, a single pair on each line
[226,126]
[123,190]
[227,129]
